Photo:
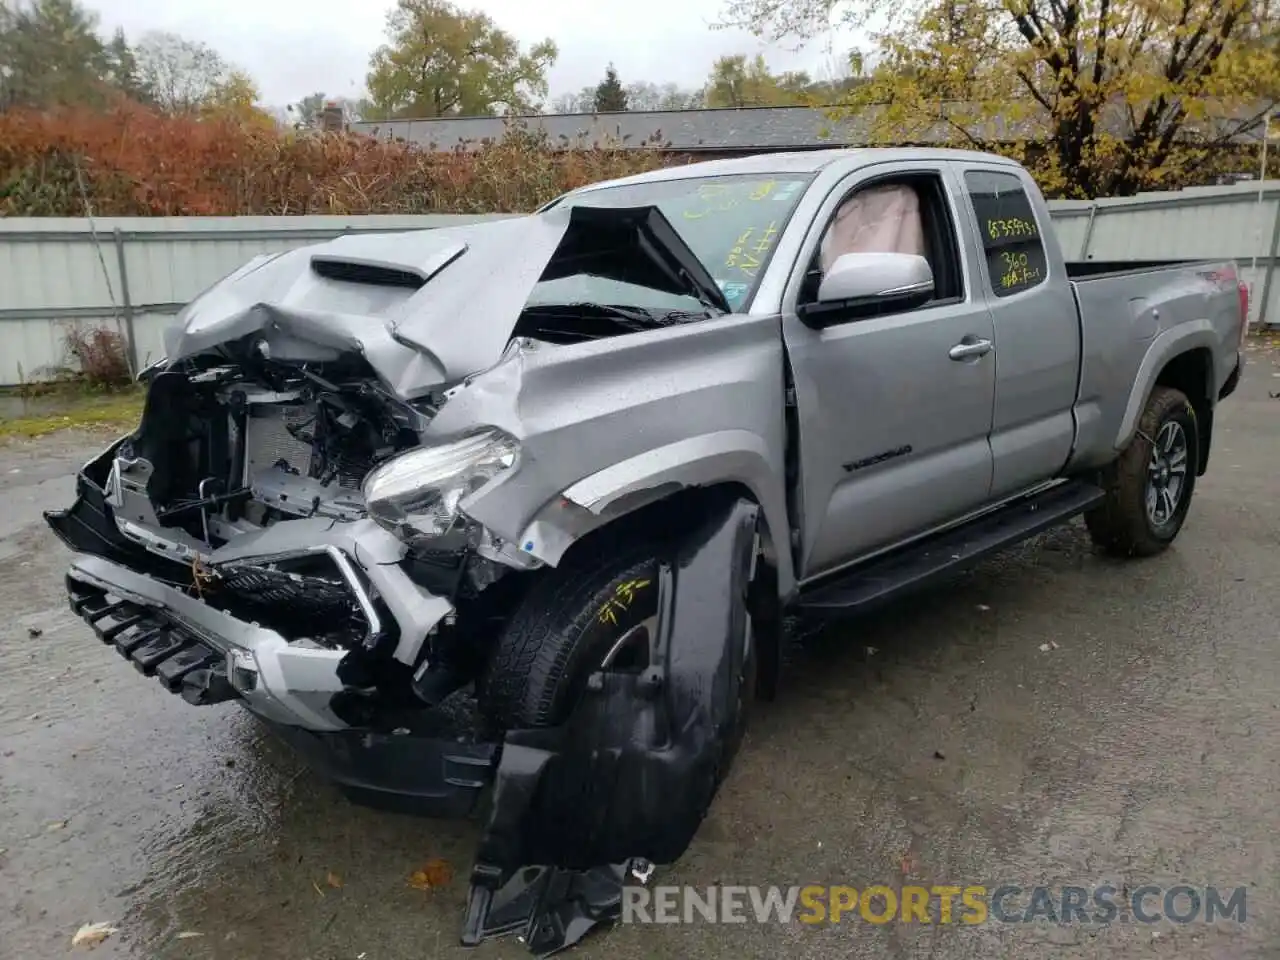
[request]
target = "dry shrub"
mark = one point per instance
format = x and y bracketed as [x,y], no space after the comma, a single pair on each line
[138,162]
[101,357]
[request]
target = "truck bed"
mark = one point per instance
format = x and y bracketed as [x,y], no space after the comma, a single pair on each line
[1125,307]
[1086,270]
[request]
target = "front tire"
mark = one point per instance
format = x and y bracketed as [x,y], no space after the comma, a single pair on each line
[596,611]
[1149,487]
[563,630]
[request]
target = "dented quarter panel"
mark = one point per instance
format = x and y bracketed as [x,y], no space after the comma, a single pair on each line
[601,423]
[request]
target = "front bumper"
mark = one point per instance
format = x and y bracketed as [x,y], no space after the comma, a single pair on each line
[433,767]
[628,777]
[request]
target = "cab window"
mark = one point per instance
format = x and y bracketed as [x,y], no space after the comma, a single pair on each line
[902,214]
[1011,243]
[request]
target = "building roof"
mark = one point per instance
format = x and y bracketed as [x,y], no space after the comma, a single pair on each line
[692,131]
[746,128]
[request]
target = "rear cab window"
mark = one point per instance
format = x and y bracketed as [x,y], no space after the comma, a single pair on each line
[1011,243]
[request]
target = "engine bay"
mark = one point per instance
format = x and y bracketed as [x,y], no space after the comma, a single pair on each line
[229,450]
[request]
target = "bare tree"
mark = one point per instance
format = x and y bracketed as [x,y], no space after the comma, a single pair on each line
[180,74]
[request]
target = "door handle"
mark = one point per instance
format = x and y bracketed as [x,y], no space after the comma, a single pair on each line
[970,348]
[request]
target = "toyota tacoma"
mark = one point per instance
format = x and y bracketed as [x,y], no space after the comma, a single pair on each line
[516,509]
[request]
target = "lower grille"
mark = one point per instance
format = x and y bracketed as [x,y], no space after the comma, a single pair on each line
[297,603]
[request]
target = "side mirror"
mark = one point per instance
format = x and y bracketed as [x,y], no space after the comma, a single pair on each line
[866,284]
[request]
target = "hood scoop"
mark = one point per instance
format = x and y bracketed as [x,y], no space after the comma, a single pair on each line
[373,274]
[387,260]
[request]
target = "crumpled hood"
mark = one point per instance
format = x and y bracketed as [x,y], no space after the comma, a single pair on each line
[431,306]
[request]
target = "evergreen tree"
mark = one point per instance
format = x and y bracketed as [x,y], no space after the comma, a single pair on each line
[610,95]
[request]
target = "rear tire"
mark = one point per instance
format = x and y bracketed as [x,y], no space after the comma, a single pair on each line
[1149,486]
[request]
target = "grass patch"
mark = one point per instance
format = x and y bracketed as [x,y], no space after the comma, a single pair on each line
[78,410]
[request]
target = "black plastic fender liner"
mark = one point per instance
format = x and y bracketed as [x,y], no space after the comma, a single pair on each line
[630,775]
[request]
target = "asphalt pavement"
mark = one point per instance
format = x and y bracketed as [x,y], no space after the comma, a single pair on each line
[1052,717]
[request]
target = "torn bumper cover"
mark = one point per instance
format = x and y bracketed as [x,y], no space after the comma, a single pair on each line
[414,759]
[628,779]
[433,766]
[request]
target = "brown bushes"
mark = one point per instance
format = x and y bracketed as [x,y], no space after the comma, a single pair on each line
[101,357]
[137,162]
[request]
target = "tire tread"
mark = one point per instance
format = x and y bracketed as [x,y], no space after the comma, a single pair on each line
[1119,524]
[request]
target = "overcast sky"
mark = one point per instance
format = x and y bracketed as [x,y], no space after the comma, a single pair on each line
[296,47]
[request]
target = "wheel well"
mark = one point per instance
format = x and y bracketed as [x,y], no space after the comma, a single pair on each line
[1192,373]
[665,521]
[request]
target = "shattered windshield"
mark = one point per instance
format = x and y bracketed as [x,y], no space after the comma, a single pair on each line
[730,223]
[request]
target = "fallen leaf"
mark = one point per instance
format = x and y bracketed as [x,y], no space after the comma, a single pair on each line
[435,873]
[92,934]
[189,935]
[333,880]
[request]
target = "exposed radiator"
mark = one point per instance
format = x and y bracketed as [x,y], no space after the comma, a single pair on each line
[269,441]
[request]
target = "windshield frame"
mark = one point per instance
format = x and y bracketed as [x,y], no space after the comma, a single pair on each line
[805,178]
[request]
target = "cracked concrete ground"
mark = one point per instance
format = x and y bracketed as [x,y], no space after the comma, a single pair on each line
[1142,748]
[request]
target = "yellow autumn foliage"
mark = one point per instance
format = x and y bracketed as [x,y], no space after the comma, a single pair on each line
[1098,97]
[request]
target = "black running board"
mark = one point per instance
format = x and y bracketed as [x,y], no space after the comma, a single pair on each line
[913,566]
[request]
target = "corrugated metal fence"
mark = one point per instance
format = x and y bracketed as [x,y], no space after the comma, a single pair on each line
[135,273]
[1240,222]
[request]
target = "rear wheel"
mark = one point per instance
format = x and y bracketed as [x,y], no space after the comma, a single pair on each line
[1149,486]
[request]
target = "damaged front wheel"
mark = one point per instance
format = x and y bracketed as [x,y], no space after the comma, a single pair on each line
[588,615]
[620,725]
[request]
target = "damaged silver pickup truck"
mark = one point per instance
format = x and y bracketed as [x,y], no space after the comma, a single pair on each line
[517,508]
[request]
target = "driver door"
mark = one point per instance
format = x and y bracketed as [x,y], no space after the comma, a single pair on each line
[894,424]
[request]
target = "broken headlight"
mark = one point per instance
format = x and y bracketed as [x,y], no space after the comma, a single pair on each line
[416,494]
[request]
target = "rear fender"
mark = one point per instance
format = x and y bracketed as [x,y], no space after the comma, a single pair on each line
[1168,345]
[631,774]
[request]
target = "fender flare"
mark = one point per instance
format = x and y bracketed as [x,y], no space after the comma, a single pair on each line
[1192,335]
[724,457]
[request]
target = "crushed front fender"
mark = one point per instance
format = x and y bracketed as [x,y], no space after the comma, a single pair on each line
[629,777]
